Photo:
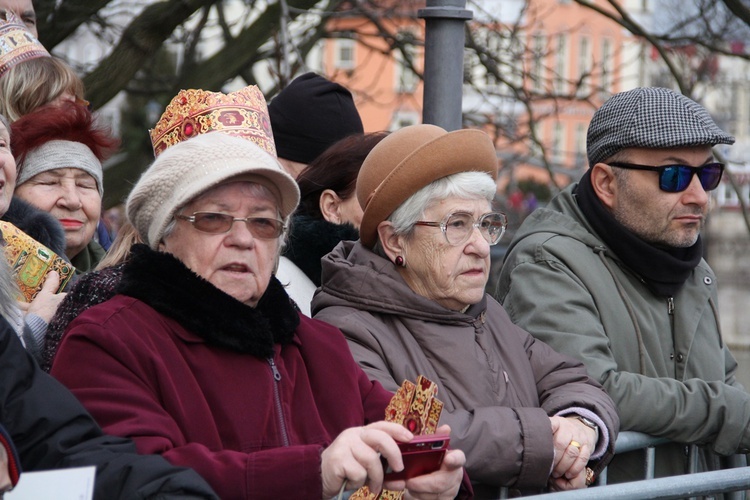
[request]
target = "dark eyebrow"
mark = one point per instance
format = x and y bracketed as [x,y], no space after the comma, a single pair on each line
[681,161]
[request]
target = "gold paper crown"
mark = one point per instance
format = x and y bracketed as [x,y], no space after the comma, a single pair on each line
[192,112]
[17,44]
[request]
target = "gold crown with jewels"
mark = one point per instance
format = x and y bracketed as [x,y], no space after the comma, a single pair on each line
[17,44]
[192,112]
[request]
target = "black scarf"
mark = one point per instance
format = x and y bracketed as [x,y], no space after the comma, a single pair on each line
[664,270]
[311,238]
[171,288]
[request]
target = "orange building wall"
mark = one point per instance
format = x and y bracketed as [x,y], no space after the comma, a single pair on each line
[373,80]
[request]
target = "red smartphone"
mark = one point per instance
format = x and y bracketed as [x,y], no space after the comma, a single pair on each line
[421,455]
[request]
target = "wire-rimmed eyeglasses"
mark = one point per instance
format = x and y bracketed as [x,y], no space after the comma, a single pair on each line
[263,228]
[458,226]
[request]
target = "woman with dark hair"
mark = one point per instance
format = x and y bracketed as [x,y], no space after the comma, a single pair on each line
[328,213]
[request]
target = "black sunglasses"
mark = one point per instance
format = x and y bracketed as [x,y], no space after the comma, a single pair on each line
[677,178]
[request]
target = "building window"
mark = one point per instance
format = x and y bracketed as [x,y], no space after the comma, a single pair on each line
[406,78]
[584,65]
[606,66]
[537,70]
[494,49]
[580,143]
[345,53]
[403,119]
[558,142]
[561,65]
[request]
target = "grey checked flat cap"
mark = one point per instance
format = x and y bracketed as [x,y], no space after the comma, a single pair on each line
[650,117]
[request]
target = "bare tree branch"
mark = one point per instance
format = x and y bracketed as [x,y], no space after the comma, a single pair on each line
[140,41]
[56,21]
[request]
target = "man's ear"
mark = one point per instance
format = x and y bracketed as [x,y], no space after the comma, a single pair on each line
[604,183]
[330,204]
[392,243]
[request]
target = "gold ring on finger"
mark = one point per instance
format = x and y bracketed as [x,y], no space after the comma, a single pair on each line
[576,444]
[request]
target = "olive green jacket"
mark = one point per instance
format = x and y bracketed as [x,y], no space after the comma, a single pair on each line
[662,360]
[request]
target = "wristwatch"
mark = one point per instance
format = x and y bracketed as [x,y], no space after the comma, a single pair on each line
[589,423]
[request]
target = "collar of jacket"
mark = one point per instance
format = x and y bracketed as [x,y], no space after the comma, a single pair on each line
[358,277]
[88,258]
[172,289]
[311,238]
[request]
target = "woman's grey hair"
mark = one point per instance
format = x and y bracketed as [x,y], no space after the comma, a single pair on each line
[468,185]
[258,190]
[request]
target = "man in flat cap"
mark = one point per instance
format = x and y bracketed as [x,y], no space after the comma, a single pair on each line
[611,272]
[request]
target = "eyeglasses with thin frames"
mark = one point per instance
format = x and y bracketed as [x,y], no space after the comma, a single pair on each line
[458,226]
[263,228]
[677,178]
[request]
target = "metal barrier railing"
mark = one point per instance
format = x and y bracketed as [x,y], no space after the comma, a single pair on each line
[733,481]
[691,485]
[632,441]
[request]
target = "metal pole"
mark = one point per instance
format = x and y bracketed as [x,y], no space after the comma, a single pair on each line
[444,61]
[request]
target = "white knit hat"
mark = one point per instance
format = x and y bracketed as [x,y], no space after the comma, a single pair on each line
[56,154]
[190,168]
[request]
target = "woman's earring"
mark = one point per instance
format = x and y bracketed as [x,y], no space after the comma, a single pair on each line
[400,261]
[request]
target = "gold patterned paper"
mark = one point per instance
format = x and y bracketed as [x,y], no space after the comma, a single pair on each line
[31,261]
[17,44]
[415,407]
[400,403]
[192,112]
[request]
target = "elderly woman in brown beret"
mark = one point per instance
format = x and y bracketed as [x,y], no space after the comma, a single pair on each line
[409,296]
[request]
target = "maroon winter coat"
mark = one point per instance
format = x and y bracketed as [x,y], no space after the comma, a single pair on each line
[248,397]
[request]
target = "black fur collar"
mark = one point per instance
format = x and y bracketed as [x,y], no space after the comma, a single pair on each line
[171,288]
[38,224]
[311,238]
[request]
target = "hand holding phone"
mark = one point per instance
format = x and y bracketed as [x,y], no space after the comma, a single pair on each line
[421,455]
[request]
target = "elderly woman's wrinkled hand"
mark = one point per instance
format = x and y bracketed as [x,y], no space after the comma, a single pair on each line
[47,300]
[354,457]
[574,443]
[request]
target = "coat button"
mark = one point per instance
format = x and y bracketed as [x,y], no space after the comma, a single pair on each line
[680,358]
[708,280]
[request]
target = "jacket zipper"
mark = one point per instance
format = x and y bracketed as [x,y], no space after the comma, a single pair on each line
[670,312]
[277,399]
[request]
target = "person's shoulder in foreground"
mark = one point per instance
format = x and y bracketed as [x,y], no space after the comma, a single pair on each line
[45,427]
[611,271]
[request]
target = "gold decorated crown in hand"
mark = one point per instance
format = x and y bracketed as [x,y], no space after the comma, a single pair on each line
[193,112]
[17,44]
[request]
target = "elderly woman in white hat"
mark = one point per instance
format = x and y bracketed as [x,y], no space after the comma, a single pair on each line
[202,356]
[409,296]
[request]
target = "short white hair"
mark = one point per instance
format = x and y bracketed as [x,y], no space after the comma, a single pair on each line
[467,185]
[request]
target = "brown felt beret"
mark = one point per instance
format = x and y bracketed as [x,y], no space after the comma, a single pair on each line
[410,159]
